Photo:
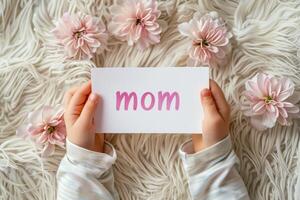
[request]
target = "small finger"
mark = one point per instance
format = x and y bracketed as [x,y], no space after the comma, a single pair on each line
[208,103]
[79,97]
[89,109]
[69,95]
[220,99]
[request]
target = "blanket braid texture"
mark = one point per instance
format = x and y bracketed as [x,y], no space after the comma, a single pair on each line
[33,73]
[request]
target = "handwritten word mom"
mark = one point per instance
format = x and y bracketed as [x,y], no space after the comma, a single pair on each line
[148,100]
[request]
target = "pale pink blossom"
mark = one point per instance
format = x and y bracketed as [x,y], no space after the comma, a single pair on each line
[270,99]
[81,35]
[209,39]
[46,127]
[136,21]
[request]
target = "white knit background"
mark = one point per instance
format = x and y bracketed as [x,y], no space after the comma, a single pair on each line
[33,73]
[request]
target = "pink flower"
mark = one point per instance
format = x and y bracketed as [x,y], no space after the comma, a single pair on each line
[81,35]
[136,21]
[270,99]
[46,128]
[209,39]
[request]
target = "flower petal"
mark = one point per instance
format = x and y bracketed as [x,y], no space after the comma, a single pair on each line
[42,138]
[269,119]
[256,122]
[22,131]
[283,113]
[35,117]
[293,109]
[47,113]
[35,129]
[261,82]
[295,98]
[259,106]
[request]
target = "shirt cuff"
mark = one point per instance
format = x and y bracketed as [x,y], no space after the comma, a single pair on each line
[204,159]
[91,159]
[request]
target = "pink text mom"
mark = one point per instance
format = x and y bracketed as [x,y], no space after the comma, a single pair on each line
[147,101]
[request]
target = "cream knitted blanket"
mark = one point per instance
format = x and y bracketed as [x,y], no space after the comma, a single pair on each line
[33,73]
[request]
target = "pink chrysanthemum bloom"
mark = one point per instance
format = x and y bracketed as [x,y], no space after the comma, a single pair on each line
[136,21]
[46,127]
[81,35]
[209,39]
[270,99]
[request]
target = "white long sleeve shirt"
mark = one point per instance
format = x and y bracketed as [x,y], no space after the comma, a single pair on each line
[212,173]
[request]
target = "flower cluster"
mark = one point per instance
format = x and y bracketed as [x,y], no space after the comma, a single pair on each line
[134,21]
[46,128]
[270,99]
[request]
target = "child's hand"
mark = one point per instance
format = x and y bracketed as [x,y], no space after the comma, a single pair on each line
[80,105]
[215,125]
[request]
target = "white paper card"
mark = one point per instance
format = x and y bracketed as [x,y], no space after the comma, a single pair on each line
[149,100]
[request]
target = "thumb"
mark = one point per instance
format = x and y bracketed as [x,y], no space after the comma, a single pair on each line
[89,109]
[208,103]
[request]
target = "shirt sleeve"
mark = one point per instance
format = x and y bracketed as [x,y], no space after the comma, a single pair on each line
[85,174]
[212,173]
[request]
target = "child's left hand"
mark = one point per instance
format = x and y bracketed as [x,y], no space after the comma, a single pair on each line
[80,105]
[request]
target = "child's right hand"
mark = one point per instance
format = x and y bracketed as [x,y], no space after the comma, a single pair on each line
[215,125]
